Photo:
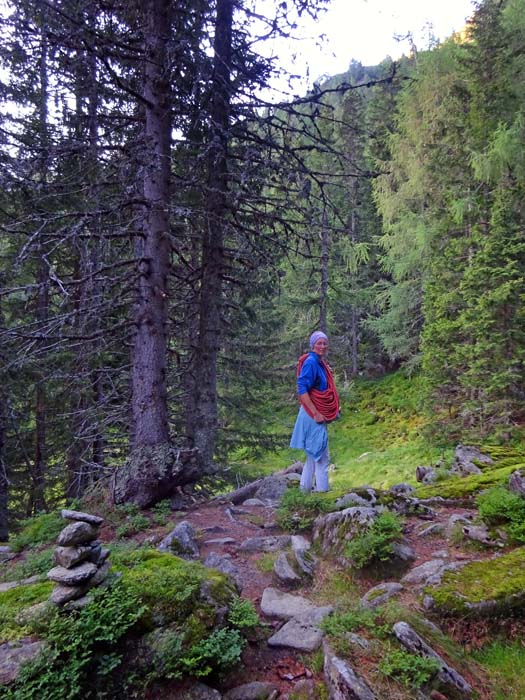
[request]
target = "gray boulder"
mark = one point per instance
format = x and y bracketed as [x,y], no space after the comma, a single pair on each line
[77,533]
[351,499]
[181,541]
[272,488]
[401,489]
[284,571]
[72,577]
[450,679]
[224,564]
[276,603]
[257,690]
[199,691]
[71,556]
[254,502]
[272,543]
[77,515]
[480,533]
[333,530]
[402,553]
[425,475]
[517,482]
[297,634]
[341,680]
[379,595]
[465,458]
[13,655]
[63,594]
[304,559]
[420,574]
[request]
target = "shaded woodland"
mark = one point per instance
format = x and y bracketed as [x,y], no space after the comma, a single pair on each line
[169,236]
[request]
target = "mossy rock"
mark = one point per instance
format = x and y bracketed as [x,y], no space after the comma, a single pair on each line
[466,486]
[14,602]
[506,461]
[174,590]
[483,588]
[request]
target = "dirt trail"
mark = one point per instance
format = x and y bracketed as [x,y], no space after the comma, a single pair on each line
[230,525]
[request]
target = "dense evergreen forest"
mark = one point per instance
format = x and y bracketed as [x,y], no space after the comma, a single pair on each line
[169,236]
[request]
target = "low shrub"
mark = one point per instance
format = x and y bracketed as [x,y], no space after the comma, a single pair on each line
[356,619]
[161,511]
[243,614]
[376,544]
[134,523]
[298,509]
[408,669]
[216,653]
[82,649]
[499,506]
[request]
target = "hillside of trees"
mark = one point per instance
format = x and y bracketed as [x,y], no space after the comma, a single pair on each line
[169,237]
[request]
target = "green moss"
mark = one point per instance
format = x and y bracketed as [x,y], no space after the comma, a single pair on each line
[506,460]
[501,580]
[171,588]
[266,562]
[12,602]
[467,486]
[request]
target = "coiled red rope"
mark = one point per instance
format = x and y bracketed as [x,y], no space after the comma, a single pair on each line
[327,401]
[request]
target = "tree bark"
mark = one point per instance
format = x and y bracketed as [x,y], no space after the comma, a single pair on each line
[149,354]
[325,258]
[205,425]
[37,500]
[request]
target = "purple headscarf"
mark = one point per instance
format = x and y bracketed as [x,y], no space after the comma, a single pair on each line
[315,337]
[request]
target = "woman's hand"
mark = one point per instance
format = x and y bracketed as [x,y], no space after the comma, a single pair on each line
[319,418]
[309,404]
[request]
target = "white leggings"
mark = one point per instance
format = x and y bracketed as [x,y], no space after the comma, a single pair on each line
[320,468]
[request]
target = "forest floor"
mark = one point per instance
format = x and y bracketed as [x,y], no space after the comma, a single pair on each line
[219,521]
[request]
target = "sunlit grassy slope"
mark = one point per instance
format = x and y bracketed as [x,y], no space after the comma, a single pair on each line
[377,441]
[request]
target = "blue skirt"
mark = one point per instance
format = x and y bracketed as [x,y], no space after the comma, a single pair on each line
[309,436]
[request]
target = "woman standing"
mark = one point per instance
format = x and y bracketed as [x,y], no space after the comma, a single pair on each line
[319,406]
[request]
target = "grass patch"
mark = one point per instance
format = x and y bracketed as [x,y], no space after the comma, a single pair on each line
[298,510]
[37,562]
[266,561]
[41,529]
[504,663]
[379,439]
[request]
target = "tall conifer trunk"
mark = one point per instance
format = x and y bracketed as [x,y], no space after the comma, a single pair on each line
[36,499]
[4,481]
[325,258]
[212,262]
[148,376]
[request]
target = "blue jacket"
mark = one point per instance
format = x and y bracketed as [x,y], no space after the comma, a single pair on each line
[312,375]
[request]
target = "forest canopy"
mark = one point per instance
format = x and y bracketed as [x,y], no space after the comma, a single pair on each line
[168,238]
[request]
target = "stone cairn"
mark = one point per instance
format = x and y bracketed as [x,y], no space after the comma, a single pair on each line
[81,563]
